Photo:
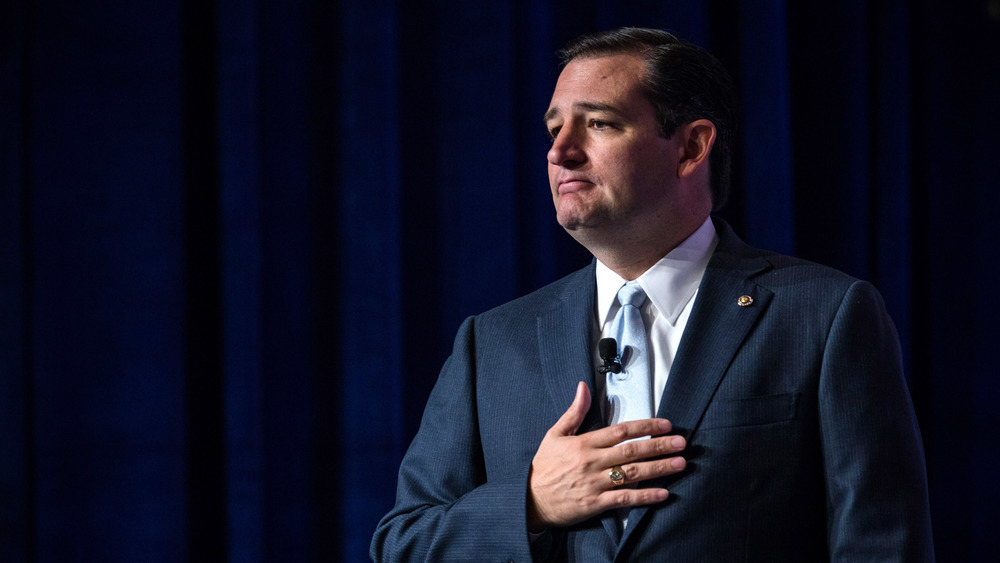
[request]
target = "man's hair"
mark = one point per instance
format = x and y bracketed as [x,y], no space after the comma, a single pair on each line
[683,82]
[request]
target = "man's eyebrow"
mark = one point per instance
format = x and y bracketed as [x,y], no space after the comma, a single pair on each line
[584,106]
[597,106]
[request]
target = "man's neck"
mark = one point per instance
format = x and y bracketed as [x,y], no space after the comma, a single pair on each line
[630,257]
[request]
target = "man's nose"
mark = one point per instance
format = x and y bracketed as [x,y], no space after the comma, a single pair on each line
[567,149]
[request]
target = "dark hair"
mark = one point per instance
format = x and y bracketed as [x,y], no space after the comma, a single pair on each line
[683,82]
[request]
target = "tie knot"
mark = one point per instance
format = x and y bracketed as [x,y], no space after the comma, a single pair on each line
[631,294]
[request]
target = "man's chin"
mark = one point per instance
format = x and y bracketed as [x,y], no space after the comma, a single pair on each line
[577,223]
[571,225]
[574,217]
[583,232]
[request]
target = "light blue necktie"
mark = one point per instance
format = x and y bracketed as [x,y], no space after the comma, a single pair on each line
[629,396]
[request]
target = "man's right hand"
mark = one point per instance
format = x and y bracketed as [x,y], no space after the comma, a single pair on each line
[569,480]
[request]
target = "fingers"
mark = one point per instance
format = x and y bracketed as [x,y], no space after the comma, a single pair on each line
[646,470]
[622,498]
[618,433]
[643,449]
[616,497]
[570,421]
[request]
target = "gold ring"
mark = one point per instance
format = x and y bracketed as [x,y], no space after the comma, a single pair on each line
[617,476]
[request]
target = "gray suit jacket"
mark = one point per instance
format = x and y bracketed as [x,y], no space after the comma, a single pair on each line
[803,445]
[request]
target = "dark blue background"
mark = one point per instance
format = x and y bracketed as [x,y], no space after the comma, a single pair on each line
[236,239]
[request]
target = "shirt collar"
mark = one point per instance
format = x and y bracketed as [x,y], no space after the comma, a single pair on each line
[669,284]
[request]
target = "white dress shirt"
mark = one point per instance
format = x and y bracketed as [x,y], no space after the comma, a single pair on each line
[670,285]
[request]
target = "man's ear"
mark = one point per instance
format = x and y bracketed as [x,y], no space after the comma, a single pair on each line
[696,141]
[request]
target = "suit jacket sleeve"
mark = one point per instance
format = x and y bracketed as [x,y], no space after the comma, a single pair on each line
[446,510]
[873,457]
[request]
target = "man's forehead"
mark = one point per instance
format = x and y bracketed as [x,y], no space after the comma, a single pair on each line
[610,83]
[611,66]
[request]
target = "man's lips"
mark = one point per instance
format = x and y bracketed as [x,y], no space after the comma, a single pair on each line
[569,185]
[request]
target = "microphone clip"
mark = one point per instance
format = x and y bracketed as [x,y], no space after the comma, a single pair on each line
[608,350]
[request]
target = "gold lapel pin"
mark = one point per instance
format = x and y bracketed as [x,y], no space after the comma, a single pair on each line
[744,301]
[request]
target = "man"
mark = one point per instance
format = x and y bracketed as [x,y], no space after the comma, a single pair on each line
[783,429]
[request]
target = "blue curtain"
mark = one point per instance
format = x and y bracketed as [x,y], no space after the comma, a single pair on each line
[236,239]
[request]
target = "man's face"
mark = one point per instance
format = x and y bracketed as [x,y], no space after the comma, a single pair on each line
[607,165]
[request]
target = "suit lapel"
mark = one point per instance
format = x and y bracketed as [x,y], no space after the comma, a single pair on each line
[566,357]
[716,328]
[564,334]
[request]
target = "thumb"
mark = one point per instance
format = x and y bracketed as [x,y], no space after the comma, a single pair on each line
[570,421]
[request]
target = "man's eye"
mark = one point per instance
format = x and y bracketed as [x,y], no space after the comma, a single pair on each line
[553,133]
[599,125]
